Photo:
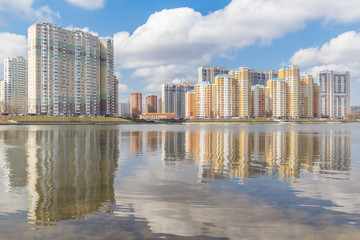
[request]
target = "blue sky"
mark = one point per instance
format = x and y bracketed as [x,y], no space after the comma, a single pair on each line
[161,41]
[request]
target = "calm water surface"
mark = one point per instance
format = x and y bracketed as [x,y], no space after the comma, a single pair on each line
[226,181]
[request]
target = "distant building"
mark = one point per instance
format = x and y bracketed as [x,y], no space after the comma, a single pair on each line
[226,96]
[13,95]
[355,109]
[190,104]
[135,105]
[173,98]
[242,91]
[158,116]
[292,78]
[258,101]
[205,100]
[306,97]
[208,74]
[278,95]
[160,105]
[124,108]
[316,100]
[151,104]
[334,93]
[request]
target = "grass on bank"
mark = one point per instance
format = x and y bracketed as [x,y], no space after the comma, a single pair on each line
[53,119]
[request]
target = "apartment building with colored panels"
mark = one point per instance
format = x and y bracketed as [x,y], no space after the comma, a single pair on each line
[306,96]
[278,96]
[226,96]
[69,70]
[242,91]
[292,78]
[205,99]
[258,101]
[334,94]
[190,104]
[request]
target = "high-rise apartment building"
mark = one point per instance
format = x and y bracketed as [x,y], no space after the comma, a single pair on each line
[13,93]
[190,104]
[160,105]
[124,108]
[108,82]
[135,105]
[226,96]
[278,94]
[306,95]
[316,100]
[70,72]
[208,74]
[258,101]
[205,100]
[173,98]
[292,78]
[151,104]
[334,94]
[242,91]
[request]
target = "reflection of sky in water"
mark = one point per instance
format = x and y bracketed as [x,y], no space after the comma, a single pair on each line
[261,181]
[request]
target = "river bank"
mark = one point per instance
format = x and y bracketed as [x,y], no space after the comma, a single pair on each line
[52,120]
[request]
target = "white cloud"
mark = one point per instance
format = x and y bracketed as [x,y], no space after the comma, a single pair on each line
[183,39]
[24,9]
[12,45]
[88,4]
[124,89]
[339,54]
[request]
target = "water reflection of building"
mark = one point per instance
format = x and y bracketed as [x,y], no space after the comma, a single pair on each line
[152,138]
[173,147]
[70,173]
[14,168]
[222,153]
[136,143]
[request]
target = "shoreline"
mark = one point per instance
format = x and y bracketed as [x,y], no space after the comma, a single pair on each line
[45,120]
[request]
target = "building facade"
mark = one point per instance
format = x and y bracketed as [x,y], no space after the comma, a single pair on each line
[242,91]
[160,105]
[292,78]
[205,100]
[124,108]
[173,98]
[70,72]
[13,95]
[151,104]
[278,96]
[208,74]
[135,105]
[334,94]
[316,100]
[190,104]
[306,97]
[226,96]
[258,101]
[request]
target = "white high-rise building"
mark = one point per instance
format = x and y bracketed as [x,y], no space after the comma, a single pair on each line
[334,93]
[173,98]
[208,74]
[13,95]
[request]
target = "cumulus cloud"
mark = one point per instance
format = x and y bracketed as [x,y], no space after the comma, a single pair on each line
[24,9]
[184,39]
[12,45]
[339,54]
[88,4]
